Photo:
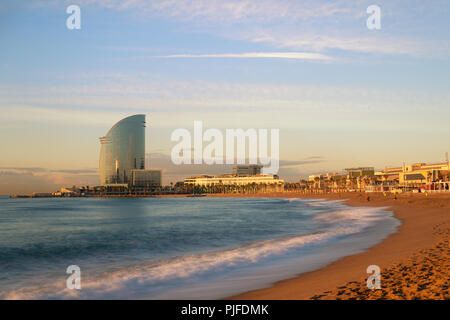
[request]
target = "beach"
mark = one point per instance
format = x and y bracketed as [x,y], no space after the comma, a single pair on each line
[241,246]
[414,261]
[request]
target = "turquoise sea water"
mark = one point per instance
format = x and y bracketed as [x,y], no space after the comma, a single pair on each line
[189,248]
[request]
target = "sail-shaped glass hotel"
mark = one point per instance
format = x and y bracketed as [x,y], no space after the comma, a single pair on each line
[122,150]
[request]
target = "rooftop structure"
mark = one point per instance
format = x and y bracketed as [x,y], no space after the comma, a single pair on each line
[389,171]
[360,171]
[247,170]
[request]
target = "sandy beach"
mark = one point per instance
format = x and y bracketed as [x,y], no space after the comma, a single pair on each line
[414,261]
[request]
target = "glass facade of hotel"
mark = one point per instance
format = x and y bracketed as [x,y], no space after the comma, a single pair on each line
[122,150]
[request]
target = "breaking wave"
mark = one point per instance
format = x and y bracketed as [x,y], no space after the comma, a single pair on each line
[147,278]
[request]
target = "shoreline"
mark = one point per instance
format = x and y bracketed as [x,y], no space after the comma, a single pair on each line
[424,222]
[414,260]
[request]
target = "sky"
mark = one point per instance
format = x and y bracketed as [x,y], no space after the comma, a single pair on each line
[341,95]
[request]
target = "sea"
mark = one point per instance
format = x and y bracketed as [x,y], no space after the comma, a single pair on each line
[174,248]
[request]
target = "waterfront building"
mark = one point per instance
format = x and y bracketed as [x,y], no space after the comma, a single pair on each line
[315,177]
[145,178]
[389,174]
[74,191]
[421,174]
[432,177]
[330,176]
[122,150]
[233,180]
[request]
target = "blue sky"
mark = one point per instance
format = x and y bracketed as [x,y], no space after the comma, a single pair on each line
[350,96]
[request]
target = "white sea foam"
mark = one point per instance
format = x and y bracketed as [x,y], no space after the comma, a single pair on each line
[344,221]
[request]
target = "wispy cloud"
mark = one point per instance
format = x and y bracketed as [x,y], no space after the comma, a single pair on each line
[230,10]
[344,40]
[38,179]
[292,163]
[302,25]
[277,55]
[102,102]
[28,170]
[77,171]
[40,170]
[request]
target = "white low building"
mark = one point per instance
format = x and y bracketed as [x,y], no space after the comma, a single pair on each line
[227,180]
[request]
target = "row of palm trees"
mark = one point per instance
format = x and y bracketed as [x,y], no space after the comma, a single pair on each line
[180,188]
[303,186]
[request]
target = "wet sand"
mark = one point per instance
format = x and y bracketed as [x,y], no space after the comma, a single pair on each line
[414,261]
